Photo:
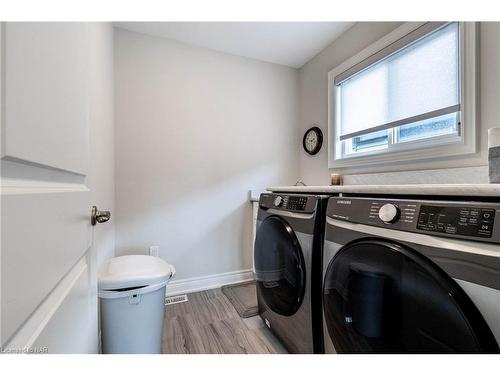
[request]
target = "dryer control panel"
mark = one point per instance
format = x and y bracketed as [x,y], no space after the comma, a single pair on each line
[470,220]
[288,202]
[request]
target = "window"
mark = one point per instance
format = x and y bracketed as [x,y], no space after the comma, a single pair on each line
[404,95]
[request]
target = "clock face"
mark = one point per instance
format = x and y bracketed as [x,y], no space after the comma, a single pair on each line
[313,139]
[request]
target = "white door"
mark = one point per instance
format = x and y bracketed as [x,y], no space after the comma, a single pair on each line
[48,286]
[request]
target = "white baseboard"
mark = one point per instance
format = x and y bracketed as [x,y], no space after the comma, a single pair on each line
[196,284]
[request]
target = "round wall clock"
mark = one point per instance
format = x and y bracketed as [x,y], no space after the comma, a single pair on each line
[313,140]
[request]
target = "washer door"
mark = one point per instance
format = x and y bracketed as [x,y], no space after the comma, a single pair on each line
[279,266]
[382,297]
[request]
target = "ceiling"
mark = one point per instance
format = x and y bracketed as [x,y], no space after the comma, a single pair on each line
[286,43]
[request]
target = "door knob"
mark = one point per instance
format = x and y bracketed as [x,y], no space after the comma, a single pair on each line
[99,216]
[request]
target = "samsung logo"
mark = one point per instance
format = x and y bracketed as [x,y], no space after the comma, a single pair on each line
[343,202]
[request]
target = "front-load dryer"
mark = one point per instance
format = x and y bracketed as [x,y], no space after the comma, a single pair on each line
[288,255]
[411,276]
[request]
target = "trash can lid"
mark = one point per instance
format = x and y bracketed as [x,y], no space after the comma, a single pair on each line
[131,271]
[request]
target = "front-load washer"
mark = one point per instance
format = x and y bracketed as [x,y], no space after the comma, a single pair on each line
[288,272]
[411,276]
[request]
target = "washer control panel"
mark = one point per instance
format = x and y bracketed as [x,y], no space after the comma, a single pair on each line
[469,220]
[465,221]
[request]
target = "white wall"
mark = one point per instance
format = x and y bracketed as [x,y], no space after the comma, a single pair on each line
[195,130]
[102,154]
[313,85]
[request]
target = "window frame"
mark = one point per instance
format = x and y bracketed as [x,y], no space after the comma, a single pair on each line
[443,147]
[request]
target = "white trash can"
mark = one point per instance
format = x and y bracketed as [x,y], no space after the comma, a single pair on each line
[132,296]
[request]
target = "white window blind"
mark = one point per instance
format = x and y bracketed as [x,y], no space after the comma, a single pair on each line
[401,88]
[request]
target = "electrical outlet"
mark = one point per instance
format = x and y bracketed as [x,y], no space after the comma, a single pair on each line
[154,251]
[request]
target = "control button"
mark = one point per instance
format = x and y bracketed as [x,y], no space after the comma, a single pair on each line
[487,215]
[278,201]
[422,218]
[451,230]
[485,226]
[389,213]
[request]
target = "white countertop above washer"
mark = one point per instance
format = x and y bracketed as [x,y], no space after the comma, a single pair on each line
[465,190]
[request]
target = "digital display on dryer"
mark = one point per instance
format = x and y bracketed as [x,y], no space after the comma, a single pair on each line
[464,221]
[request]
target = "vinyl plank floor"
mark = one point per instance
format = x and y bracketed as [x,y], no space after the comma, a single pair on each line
[209,324]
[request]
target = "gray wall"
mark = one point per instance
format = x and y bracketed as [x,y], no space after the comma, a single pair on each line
[195,130]
[314,90]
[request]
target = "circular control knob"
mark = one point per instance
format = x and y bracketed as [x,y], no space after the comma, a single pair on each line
[389,213]
[278,201]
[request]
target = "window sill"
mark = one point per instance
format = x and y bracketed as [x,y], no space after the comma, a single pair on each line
[448,156]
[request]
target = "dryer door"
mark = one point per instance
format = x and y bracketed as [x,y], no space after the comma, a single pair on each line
[279,266]
[382,297]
